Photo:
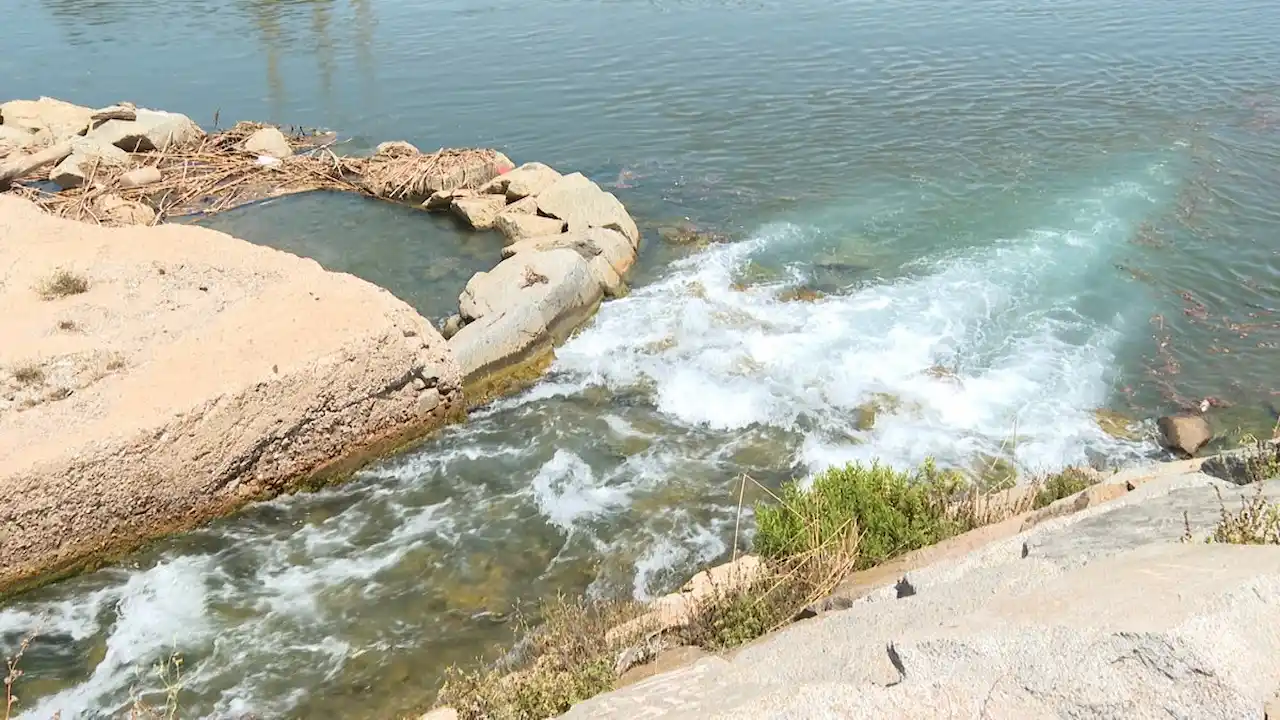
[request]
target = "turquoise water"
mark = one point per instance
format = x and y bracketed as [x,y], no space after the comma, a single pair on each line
[1071,207]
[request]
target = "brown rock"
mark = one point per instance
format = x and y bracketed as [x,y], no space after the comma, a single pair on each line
[582,204]
[518,226]
[234,374]
[138,177]
[480,211]
[1184,433]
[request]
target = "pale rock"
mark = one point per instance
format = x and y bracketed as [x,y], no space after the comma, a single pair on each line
[527,206]
[444,713]
[13,139]
[523,304]
[443,199]
[518,226]
[246,371]
[114,210]
[138,177]
[608,254]
[153,130]
[268,141]
[525,181]
[1184,433]
[60,120]
[725,579]
[88,156]
[396,148]
[582,204]
[480,211]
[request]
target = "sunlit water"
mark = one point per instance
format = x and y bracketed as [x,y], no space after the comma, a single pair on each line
[1066,207]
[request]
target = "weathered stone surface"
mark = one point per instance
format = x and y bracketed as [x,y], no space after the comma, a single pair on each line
[268,141]
[451,326]
[138,177]
[607,252]
[13,139]
[676,609]
[153,130]
[518,226]
[444,713]
[55,119]
[1101,613]
[527,180]
[479,211]
[88,156]
[396,147]
[520,306]
[527,206]
[206,372]
[582,204]
[114,210]
[1184,433]
[443,199]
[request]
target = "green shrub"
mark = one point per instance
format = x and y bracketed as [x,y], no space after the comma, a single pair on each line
[1257,522]
[892,512]
[1063,484]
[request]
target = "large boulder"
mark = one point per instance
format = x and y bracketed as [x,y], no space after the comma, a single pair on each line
[523,305]
[14,139]
[88,157]
[582,204]
[205,372]
[153,130]
[526,180]
[609,255]
[52,119]
[268,141]
[1184,434]
[478,211]
[518,225]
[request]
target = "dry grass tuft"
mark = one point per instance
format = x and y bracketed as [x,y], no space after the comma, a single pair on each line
[62,283]
[408,177]
[28,374]
[1256,523]
[1061,485]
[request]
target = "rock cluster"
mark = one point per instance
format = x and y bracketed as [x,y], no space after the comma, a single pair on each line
[569,244]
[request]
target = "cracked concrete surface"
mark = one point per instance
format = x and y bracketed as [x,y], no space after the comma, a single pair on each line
[236,371]
[1099,614]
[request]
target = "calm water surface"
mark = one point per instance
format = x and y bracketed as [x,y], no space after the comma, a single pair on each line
[1071,206]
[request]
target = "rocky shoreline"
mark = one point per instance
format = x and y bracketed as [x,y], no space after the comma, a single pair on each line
[161,375]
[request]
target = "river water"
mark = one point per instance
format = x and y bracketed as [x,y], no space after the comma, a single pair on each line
[1071,206]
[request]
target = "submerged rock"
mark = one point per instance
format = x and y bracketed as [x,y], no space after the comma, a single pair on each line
[1117,424]
[1184,434]
[686,233]
[263,372]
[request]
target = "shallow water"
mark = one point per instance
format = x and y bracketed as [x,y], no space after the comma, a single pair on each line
[1069,208]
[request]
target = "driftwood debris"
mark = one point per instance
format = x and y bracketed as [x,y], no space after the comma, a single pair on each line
[25,165]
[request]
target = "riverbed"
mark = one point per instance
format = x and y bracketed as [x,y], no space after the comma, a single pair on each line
[991,219]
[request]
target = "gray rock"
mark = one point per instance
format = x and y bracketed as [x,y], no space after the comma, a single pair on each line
[138,177]
[153,130]
[518,226]
[527,180]
[1091,623]
[582,204]
[480,211]
[269,141]
[608,254]
[1184,433]
[55,119]
[524,303]
[88,156]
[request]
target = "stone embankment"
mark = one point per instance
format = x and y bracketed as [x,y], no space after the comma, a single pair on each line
[1105,604]
[155,377]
